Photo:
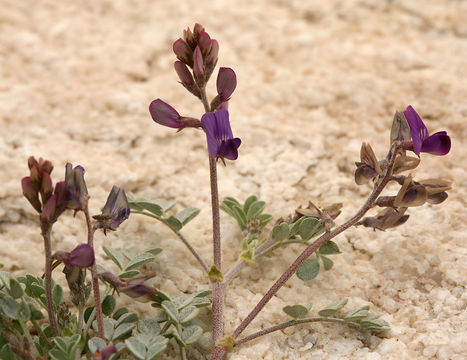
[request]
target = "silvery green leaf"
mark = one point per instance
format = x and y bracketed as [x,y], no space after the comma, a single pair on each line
[129,317]
[264,219]
[139,261]
[73,342]
[181,300]
[136,348]
[108,305]
[10,307]
[57,295]
[56,354]
[329,248]
[200,302]
[130,253]
[174,223]
[161,316]
[240,216]
[145,205]
[297,311]
[203,293]
[191,334]
[5,279]
[357,314]
[332,309]
[154,250]
[25,311]
[149,326]
[61,344]
[308,270]
[159,298]
[109,325]
[129,274]
[186,215]
[123,330]
[327,262]
[157,348]
[230,202]
[252,199]
[16,291]
[166,205]
[255,209]
[280,232]
[373,322]
[114,255]
[6,353]
[171,310]
[95,344]
[187,314]
[308,227]
[295,227]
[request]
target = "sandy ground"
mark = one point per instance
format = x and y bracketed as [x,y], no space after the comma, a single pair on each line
[315,79]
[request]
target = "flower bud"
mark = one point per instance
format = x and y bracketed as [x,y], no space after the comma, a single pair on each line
[204,43]
[405,163]
[31,193]
[77,192]
[436,190]
[183,52]
[226,83]
[46,187]
[410,194]
[369,167]
[116,210]
[186,79]
[164,114]
[400,130]
[385,219]
[198,67]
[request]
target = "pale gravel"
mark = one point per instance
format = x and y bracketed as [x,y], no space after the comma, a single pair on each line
[315,79]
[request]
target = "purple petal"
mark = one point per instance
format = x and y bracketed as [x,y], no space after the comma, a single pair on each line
[105,352]
[228,149]
[224,131]
[209,123]
[198,66]
[164,114]
[226,83]
[418,129]
[184,73]
[437,144]
[82,256]
[30,192]
[183,51]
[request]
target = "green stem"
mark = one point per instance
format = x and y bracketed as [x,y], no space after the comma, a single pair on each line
[286,325]
[48,281]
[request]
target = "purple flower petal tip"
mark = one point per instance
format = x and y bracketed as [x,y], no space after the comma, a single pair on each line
[436,144]
[164,114]
[82,256]
[226,83]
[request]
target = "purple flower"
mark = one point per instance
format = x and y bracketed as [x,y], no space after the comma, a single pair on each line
[105,352]
[436,144]
[226,83]
[116,210]
[77,192]
[164,114]
[221,143]
[82,256]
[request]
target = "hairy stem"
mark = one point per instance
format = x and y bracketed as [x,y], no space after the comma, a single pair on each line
[220,353]
[285,325]
[95,279]
[48,281]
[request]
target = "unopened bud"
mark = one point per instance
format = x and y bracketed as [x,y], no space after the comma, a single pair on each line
[183,52]
[198,67]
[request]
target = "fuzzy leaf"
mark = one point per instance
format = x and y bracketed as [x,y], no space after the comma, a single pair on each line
[200,302]
[327,262]
[295,227]
[255,209]
[6,353]
[57,295]
[157,348]
[332,309]
[252,199]
[240,216]
[129,317]
[129,274]
[114,255]
[308,227]
[329,248]
[95,344]
[191,334]
[186,215]
[308,270]
[175,224]
[154,250]
[171,310]
[136,347]
[149,326]
[139,261]
[151,207]
[187,314]
[264,219]
[16,291]
[10,307]
[119,313]
[108,305]
[280,232]
[357,314]
[122,331]
[297,311]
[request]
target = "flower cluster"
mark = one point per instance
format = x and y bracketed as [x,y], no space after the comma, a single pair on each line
[196,50]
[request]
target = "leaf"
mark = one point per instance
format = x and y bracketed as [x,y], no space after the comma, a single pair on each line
[159,298]
[139,261]
[115,256]
[200,302]
[240,216]
[130,317]
[108,305]
[157,348]
[109,324]
[56,354]
[61,344]
[264,219]
[251,199]
[230,202]
[357,314]
[6,353]
[119,313]
[187,314]
[308,270]
[154,250]
[16,291]
[203,293]
[191,334]
[186,215]
[166,205]
[9,307]
[280,232]
[57,295]
[327,262]
[123,330]
[255,209]
[372,322]
[295,227]
[5,278]
[136,347]
[95,344]
[297,311]
[149,326]
[329,248]
[332,309]
[151,207]
[308,228]
[129,274]
[171,310]
[174,223]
